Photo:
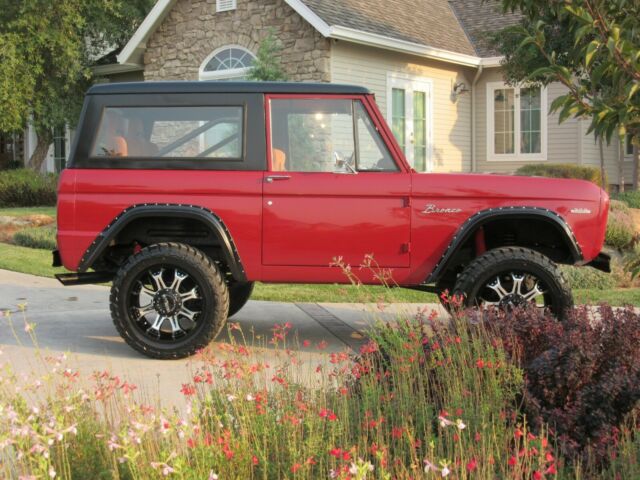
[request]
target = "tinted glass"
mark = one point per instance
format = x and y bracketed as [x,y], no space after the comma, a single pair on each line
[170,132]
[319,135]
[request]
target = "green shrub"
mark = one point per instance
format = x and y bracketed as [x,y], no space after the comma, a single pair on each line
[36,237]
[617,205]
[587,277]
[632,198]
[560,170]
[26,188]
[620,229]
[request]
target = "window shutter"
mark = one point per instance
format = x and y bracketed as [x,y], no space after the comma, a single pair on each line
[225,5]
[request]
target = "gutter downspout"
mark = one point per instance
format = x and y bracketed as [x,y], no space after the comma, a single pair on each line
[474,160]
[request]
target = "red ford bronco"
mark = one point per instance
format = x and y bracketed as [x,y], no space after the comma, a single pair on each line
[186,193]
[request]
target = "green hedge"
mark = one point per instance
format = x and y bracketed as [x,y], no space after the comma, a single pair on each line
[26,188]
[560,170]
[36,237]
[632,198]
[587,277]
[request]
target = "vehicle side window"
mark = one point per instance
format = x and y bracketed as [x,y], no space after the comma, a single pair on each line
[170,132]
[373,154]
[325,135]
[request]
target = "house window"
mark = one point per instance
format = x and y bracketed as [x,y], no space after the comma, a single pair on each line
[227,63]
[628,147]
[225,5]
[59,148]
[516,123]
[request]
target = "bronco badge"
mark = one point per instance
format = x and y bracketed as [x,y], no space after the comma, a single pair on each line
[432,208]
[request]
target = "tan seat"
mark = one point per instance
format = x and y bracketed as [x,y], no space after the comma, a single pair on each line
[278,161]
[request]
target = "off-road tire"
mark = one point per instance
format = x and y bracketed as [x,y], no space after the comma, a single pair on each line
[475,276]
[214,291]
[239,294]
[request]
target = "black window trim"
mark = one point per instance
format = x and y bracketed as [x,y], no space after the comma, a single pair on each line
[161,157]
[253,124]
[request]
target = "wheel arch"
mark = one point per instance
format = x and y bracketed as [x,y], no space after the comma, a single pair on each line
[142,212]
[508,215]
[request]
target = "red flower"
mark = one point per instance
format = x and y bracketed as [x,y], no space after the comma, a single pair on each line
[477,437]
[191,443]
[537,475]
[480,363]
[472,465]
[335,452]
[295,467]
[188,390]
[328,414]
[306,343]
[549,457]
[254,460]
[551,470]
[396,432]
[512,461]
[518,433]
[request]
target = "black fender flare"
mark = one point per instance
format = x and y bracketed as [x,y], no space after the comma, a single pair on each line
[470,226]
[145,210]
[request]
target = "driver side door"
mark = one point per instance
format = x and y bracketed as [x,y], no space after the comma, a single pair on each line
[332,189]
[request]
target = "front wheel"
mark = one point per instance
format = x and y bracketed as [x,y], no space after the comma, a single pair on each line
[169,300]
[514,277]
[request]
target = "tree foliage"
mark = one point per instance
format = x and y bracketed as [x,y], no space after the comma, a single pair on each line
[46,51]
[267,66]
[590,46]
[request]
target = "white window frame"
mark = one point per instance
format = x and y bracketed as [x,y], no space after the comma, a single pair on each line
[517,156]
[226,5]
[400,80]
[628,157]
[224,74]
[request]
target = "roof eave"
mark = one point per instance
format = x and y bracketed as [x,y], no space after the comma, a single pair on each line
[133,51]
[380,41]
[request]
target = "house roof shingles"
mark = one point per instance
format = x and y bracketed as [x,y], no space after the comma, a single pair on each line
[481,18]
[426,22]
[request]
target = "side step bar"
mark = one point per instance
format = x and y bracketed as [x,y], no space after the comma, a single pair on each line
[68,279]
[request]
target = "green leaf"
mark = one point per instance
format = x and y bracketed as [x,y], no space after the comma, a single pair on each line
[592,48]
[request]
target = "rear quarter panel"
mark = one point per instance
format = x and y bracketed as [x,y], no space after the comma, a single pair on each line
[89,199]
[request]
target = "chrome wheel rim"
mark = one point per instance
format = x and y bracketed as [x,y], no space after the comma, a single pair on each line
[513,289]
[166,303]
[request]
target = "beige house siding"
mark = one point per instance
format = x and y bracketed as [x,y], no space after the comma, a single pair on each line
[370,67]
[591,156]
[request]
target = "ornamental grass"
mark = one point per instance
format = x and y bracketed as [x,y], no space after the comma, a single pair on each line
[422,399]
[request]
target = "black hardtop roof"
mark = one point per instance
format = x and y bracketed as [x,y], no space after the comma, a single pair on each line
[223,87]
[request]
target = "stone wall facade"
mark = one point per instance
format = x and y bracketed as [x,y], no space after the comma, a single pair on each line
[192,30]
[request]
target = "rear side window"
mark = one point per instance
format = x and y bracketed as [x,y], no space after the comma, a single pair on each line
[214,133]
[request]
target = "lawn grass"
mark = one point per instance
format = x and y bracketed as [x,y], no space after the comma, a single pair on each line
[27,260]
[38,262]
[21,212]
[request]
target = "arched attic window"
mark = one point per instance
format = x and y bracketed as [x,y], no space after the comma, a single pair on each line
[230,62]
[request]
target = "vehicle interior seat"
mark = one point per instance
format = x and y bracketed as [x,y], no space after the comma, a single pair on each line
[279,160]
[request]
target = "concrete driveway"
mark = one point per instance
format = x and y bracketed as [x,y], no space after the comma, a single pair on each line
[76,321]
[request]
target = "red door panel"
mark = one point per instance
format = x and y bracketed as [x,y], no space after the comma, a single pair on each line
[311,218]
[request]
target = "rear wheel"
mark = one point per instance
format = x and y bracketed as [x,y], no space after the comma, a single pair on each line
[239,294]
[514,277]
[169,300]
